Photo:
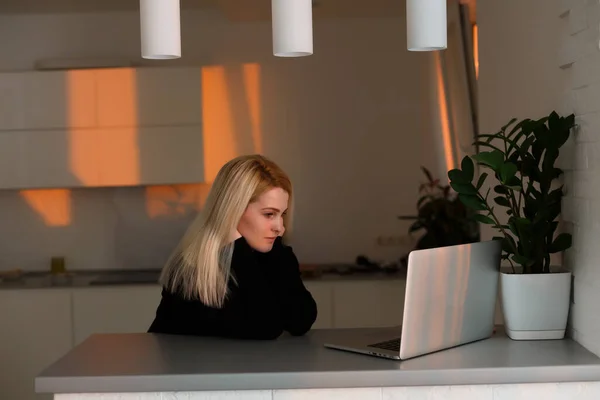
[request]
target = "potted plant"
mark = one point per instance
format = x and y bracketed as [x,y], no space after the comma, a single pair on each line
[535,294]
[446,221]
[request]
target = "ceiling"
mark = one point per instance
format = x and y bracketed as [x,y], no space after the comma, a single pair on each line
[66,6]
[245,10]
[235,10]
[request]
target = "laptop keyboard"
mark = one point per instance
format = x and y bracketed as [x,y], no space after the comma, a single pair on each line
[392,345]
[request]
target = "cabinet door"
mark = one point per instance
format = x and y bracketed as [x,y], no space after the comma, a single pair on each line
[126,309]
[150,155]
[36,331]
[59,99]
[149,96]
[11,100]
[58,158]
[362,304]
[322,292]
[12,159]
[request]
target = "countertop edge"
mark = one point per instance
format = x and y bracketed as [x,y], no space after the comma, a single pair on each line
[317,380]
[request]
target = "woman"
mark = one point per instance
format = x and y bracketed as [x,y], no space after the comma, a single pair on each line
[231,275]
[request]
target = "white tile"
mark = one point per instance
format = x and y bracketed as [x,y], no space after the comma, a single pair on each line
[328,394]
[471,392]
[228,395]
[583,71]
[588,126]
[176,396]
[587,99]
[577,19]
[548,391]
[585,42]
[109,396]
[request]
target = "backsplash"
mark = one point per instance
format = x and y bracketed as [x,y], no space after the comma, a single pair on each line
[120,228]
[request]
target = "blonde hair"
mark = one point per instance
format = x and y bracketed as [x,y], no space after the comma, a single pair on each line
[200,265]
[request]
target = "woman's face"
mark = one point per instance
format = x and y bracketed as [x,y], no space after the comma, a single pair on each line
[262,221]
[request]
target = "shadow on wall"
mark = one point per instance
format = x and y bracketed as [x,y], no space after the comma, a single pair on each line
[128,220]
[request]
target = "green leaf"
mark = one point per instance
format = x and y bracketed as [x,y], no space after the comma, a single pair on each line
[486,144]
[481,180]
[493,159]
[500,189]
[415,226]
[483,219]
[509,123]
[502,201]
[488,137]
[468,168]
[513,183]
[513,227]
[508,171]
[464,188]
[561,243]
[458,176]
[472,202]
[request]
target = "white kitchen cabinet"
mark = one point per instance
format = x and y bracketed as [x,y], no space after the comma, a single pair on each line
[58,99]
[150,155]
[368,303]
[11,101]
[35,100]
[36,331]
[114,309]
[12,161]
[149,96]
[47,159]
[101,127]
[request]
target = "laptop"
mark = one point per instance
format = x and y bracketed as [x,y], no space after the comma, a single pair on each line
[450,300]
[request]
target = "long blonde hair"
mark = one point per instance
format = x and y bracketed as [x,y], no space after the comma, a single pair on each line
[200,265]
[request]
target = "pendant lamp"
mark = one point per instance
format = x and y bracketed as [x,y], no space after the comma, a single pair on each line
[426,25]
[292,28]
[160,29]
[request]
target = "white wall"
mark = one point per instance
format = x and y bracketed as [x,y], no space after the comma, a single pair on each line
[350,124]
[532,60]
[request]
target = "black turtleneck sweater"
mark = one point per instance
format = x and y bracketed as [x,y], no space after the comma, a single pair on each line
[268,299]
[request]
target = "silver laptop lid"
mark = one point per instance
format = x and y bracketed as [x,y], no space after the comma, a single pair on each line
[450,296]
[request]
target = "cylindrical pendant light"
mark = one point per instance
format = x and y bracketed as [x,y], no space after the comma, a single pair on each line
[292,28]
[160,29]
[426,25]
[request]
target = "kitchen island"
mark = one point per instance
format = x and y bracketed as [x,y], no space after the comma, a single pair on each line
[149,366]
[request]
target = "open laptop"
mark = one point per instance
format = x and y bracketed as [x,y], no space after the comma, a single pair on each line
[450,300]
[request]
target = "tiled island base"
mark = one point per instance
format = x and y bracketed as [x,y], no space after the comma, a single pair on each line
[528,391]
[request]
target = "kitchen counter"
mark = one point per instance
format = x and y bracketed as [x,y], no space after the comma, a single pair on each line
[109,277]
[150,363]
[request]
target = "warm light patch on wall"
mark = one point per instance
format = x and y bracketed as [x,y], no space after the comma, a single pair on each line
[251,73]
[119,158]
[444,114]
[476,49]
[175,200]
[83,146]
[52,205]
[217,121]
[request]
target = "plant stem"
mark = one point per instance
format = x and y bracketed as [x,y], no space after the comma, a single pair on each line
[489,210]
[511,195]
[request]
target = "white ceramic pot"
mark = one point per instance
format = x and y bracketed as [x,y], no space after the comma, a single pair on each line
[535,306]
